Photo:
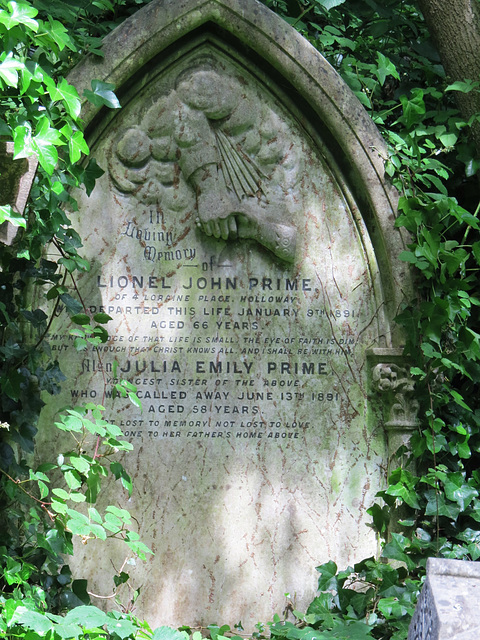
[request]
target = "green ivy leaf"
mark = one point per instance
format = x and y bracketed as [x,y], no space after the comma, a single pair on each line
[37,318]
[88,617]
[328,576]
[79,588]
[166,633]
[35,621]
[44,144]
[59,34]
[402,485]
[121,628]
[457,490]
[122,578]
[102,94]
[463,450]
[408,256]
[321,609]
[77,146]
[68,630]
[9,68]
[8,215]
[437,506]
[11,384]
[385,68]
[91,174]
[81,319]
[32,72]
[463,86]
[395,550]
[448,139]
[68,263]
[330,4]
[67,94]
[459,400]
[20,13]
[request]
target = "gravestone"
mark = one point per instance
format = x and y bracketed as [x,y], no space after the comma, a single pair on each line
[242,239]
[449,604]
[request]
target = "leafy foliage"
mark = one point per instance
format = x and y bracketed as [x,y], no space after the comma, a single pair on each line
[383,52]
[44,508]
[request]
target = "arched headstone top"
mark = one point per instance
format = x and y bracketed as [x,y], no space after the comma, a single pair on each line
[354,143]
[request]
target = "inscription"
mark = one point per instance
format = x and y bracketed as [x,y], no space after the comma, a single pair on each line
[233,385]
[201,333]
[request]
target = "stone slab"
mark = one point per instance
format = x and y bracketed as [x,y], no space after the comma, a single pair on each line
[449,605]
[247,275]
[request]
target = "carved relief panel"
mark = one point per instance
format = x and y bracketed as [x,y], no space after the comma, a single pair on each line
[213,138]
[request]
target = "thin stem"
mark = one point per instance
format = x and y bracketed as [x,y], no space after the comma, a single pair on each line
[467,230]
[304,12]
[437,528]
[82,302]
[19,483]
[52,316]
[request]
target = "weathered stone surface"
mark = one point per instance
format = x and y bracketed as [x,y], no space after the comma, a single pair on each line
[242,240]
[449,605]
[269,41]
[16,179]
[393,392]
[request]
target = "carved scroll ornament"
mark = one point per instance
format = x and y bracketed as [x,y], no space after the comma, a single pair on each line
[396,387]
[394,390]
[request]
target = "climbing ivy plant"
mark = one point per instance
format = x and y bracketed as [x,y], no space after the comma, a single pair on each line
[383,52]
[43,508]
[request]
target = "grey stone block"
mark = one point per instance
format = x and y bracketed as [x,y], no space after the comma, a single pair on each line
[449,605]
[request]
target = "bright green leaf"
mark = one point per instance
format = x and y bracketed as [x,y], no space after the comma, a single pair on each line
[77,146]
[59,34]
[88,617]
[102,94]
[166,633]
[8,215]
[9,68]
[68,95]
[33,620]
